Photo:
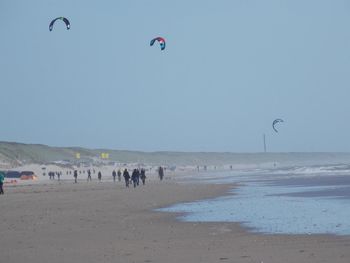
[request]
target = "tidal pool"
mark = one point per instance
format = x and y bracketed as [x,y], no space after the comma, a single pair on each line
[275,204]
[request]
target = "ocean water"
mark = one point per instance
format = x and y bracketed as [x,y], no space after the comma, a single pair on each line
[294,200]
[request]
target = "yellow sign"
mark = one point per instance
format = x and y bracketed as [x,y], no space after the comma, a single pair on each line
[104,155]
[77,155]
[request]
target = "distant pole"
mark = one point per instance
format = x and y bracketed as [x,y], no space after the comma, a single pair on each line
[264,138]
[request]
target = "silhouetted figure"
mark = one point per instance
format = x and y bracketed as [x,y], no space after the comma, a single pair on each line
[161,172]
[2,179]
[137,176]
[134,177]
[143,176]
[126,176]
[59,176]
[75,176]
[89,175]
[114,174]
[119,175]
[99,176]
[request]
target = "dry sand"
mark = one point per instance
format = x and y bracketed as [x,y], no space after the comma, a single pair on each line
[105,222]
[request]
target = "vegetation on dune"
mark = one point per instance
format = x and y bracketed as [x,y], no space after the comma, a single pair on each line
[18,153]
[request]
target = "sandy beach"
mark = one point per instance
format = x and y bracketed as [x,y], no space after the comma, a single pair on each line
[234,112]
[105,222]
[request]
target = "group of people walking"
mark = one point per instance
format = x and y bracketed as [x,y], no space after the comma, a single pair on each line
[53,174]
[135,177]
[89,178]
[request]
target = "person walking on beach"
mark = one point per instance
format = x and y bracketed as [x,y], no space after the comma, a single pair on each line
[59,176]
[161,172]
[119,175]
[134,177]
[126,177]
[99,176]
[75,176]
[143,176]
[2,178]
[89,175]
[114,174]
[137,176]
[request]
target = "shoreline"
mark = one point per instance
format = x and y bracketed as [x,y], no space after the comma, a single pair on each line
[104,222]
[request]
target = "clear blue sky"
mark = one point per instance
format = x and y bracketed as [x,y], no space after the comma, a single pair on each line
[230,68]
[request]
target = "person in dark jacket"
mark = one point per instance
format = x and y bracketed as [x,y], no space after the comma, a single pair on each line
[114,174]
[99,176]
[137,176]
[161,172]
[134,177]
[143,176]
[126,177]
[89,175]
[75,176]
[119,175]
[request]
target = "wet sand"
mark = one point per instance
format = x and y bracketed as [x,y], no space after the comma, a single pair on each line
[336,186]
[105,222]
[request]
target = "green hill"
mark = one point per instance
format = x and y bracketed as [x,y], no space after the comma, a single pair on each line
[12,154]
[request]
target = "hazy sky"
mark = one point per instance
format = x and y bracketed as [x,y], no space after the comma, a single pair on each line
[230,68]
